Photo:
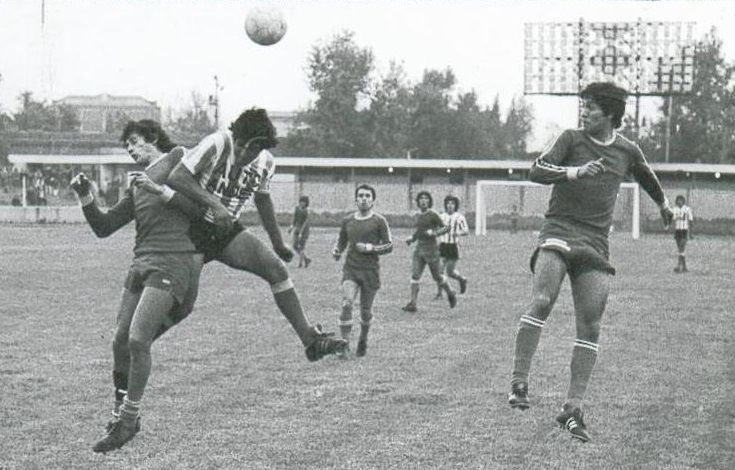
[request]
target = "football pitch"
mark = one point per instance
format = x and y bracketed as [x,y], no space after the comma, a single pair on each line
[231,388]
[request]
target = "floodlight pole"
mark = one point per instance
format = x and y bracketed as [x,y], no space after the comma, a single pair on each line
[667,138]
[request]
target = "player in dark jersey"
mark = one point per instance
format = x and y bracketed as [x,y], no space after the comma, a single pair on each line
[162,282]
[585,167]
[223,172]
[299,230]
[427,226]
[366,236]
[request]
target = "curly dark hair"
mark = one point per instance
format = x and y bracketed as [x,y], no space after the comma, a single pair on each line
[455,199]
[427,194]
[254,123]
[610,97]
[151,131]
[367,187]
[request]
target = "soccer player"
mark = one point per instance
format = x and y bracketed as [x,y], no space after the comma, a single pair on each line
[366,236]
[449,242]
[585,167]
[683,219]
[162,282]
[427,226]
[299,229]
[223,172]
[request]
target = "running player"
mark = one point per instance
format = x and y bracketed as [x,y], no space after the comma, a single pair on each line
[585,167]
[161,285]
[223,172]
[427,226]
[299,230]
[366,236]
[449,242]
[683,219]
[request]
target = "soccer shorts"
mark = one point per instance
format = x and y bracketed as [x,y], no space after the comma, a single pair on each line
[300,237]
[367,279]
[424,255]
[210,240]
[449,251]
[175,273]
[680,235]
[581,248]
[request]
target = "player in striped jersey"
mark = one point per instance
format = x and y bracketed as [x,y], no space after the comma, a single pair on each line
[585,167]
[449,242]
[427,226]
[162,282]
[223,172]
[366,236]
[683,219]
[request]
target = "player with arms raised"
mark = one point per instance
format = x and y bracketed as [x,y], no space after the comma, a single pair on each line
[366,236]
[223,172]
[585,167]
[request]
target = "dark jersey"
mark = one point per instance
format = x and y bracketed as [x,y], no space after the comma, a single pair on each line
[424,221]
[300,217]
[372,229]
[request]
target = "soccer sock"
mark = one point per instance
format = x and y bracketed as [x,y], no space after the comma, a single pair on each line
[129,410]
[527,338]
[584,356]
[345,322]
[414,291]
[365,322]
[289,304]
[120,380]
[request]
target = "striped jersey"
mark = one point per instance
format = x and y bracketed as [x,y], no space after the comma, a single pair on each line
[682,216]
[457,227]
[372,229]
[212,162]
[591,201]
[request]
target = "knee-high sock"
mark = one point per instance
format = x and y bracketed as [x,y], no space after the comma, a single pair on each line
[584,356]
[527,338]
[289,304]
[345,322]
[414,291]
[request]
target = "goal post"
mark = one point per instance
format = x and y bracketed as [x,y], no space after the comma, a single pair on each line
[499,202]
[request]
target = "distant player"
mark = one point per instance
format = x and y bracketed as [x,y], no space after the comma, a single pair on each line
[427,226]
[449,242]
[299,230]
[585,167]
[162,282]
[683,219]
[223,172]
[366,236]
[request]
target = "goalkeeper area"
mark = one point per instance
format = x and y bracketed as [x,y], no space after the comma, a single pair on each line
[521,205]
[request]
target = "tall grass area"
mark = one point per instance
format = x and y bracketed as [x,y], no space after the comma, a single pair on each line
[232,389]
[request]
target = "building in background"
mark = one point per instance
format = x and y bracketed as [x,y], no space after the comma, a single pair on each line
[105,113]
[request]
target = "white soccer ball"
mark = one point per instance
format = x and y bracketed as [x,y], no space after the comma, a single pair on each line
[265,25]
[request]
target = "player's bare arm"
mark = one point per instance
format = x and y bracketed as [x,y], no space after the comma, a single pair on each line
[181,179]
[264,205]
[169,196]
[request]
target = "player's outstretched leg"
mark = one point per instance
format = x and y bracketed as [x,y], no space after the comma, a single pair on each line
[324,344]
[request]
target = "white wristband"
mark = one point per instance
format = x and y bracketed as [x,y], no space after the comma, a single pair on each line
[86,200]
[573,173]
[167,193]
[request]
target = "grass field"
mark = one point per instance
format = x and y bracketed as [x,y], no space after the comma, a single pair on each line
[231,388]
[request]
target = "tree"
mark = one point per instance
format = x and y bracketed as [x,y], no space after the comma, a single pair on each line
[518,126]
[38,116]
[191,120]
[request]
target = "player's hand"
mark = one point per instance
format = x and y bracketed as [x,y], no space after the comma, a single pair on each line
[667,215]
[364,247]
[336,254]
[590,169]
[290,229]
[409,240]
[284,252]
[81,185]
[222,218]
[142,181]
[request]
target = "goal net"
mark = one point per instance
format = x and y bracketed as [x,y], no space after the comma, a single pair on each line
[521,205]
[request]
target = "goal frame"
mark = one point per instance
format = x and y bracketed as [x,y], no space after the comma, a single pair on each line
[481,209]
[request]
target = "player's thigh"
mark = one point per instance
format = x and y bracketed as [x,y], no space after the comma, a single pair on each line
[549,272]
[418,263]
[128,303]
[150,314]
[435,269]
[367,297]
[247,252]
[450,266]
[590,290]
[349,291]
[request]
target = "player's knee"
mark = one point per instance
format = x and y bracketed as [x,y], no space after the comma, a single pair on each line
[138,345]
[275,272]
[588,330]
[366,316]
[541,305]
[347,302]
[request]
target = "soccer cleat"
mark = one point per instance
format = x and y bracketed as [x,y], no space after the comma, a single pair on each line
[116,418]
[409,307]
[343,354]
[452,298]
[324,344]
[118,436]
[518,396]
[361,348]
[462,285]
[307,262]
[572,421]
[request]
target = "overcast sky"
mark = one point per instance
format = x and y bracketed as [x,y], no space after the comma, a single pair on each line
[163,50]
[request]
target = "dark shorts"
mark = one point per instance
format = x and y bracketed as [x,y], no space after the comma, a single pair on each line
[367,279]
[424,255]
[449,251]
[210,240]
[176,273]
[681,235]
[300,237]
[582,249]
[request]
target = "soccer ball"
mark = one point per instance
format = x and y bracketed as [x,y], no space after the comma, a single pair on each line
[265,25]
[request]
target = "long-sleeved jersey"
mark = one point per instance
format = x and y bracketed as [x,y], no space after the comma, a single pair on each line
[591,201]
[160,227]
[212,162]
[372,229]
[424,221]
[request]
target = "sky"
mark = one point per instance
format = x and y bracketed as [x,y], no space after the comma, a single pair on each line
[165,50]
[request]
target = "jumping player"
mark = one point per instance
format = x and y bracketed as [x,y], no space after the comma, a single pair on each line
[449,242]
[683,219]
[366,236]
[223,172]
[585,167]
[299,230]
[427,226]
[162,282]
